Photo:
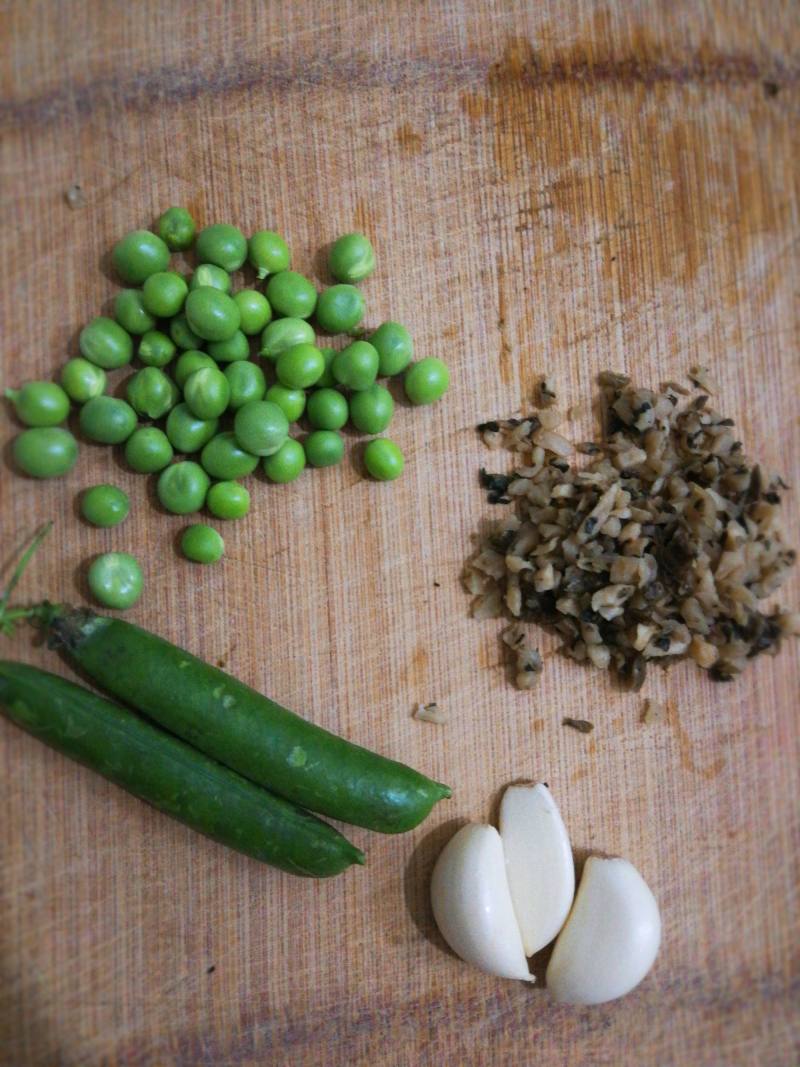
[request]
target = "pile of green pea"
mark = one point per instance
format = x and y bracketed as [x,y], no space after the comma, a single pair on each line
[197,342]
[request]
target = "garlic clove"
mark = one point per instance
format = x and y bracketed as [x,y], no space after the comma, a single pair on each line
[539,864]
[611,937]
[472,903]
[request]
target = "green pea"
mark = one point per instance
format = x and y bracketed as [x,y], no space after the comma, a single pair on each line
[39,403]
[228,500]
[182,487]
[156,349]
[289,293]
[182,334]
[326,380]
[81,380]
[327,409]
[299,367]
[188,362]
[384,460]
[235,348]
[105,343]
[202,544]
[283,334]
[186,432]
[254,311]
[207,393]
[394,347]
[225,459]
[246,381]
[212,314]
[148,450]
[339,309]
[115,580]
[45,452]
[268,253]
[163,293]
[209,274]
[426,381]
[356,366]
[292,402]
[130,312]
[287,463]
[324,448]
[105,505]
[260,427]
[371,410]
[351,258]
[107,420]
[176,229]
[138,255]
[224,245]
[151,393]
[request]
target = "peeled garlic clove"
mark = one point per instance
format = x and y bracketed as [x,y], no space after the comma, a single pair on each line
[472,904]
[539,865]
[611,937]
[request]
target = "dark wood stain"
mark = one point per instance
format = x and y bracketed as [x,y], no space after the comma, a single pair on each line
[409,139]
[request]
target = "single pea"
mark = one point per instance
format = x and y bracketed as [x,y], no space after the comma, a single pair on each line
[394,347]
[356,366]
[260,427]
[176,229]
[39,403]
[138,255]
[384,460]
[151,393]
[351,258]
[224,245]
[235,348]
[299,367]
[283,334]
[426,381]
[327,409]
[268,253]
[107,420]
[326,380]
[148,450]
[225,459]
[182,487]
[228,500]
[290,294]
[206,393]
[156,349]
[188,362]
[81,380]
[339,309]
[287,463]
[105,505]
[130,312]
[292,402]
[105,343]
[202,544]
[212,314]
[45,451]
[371,410]
[186,432]
[254,310]
[115,580]
[163,293]
[246,381]
[210,275]
[324,448]
[182,334]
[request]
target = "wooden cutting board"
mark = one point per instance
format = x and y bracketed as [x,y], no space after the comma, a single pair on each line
[559,187]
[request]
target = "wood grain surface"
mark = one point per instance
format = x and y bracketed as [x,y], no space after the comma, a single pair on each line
[560,186]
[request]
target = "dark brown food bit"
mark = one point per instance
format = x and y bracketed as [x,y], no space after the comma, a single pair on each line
[583,726]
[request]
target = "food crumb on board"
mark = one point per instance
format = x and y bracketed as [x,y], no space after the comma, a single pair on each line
[430,713]
[75,196]
[583,726]
[546,392]
[702,378]
[653,711]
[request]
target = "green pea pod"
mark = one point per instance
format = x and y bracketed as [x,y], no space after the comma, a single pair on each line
[171,775]
[243,729]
